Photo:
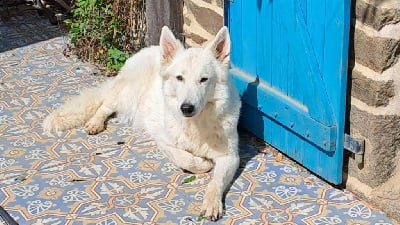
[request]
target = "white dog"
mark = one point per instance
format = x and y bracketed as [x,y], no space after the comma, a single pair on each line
[183,98]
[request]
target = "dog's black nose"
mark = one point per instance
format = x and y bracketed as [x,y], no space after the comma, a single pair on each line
[187,109]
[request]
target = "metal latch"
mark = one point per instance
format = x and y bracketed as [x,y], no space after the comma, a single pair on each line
[356,146]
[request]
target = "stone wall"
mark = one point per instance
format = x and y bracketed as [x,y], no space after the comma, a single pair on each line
[202,20]
[373,108]
[374,102]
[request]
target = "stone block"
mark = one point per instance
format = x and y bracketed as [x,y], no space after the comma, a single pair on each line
[199,40]
[220,3]
[376,13]
[372,92]
[207,18]
[382,136]
[387,196]
[187,20]
[377,53]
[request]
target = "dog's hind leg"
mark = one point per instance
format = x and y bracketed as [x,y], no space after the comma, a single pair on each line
[96,123]
[186,160]
[75,112]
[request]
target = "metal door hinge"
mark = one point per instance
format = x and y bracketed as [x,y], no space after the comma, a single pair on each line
[356,146]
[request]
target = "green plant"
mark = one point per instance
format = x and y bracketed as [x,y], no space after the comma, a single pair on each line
[100,31]
[116,59]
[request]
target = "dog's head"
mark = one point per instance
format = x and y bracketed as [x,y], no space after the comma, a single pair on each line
[190,75]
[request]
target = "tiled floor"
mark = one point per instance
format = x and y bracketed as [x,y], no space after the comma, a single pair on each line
[119,176]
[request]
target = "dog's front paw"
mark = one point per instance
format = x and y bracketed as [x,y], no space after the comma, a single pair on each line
[212,207]
[94,127]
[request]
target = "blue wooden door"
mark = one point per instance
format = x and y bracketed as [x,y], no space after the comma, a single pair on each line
[289,61]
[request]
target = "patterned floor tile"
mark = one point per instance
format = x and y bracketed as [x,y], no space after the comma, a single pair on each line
[119,176]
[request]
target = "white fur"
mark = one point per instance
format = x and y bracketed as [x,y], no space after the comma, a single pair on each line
[149,92]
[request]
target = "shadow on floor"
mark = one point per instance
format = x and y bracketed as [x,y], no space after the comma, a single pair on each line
[22,26]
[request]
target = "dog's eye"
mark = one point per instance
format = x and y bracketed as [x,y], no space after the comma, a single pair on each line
[204,79]
[179,78]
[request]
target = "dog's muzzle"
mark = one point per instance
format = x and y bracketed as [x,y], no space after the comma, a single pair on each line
[187,109]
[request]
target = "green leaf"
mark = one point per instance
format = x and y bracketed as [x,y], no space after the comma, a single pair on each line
[199,218]
[189,179]
[20,178]
[68,21]
[74,30]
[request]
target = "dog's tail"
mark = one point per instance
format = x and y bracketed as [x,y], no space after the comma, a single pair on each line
[75,112]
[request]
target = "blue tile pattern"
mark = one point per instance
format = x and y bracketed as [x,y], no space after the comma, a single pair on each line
[119,176]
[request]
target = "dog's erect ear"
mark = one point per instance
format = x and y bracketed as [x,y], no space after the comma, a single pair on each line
[169,45]
[221,46]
